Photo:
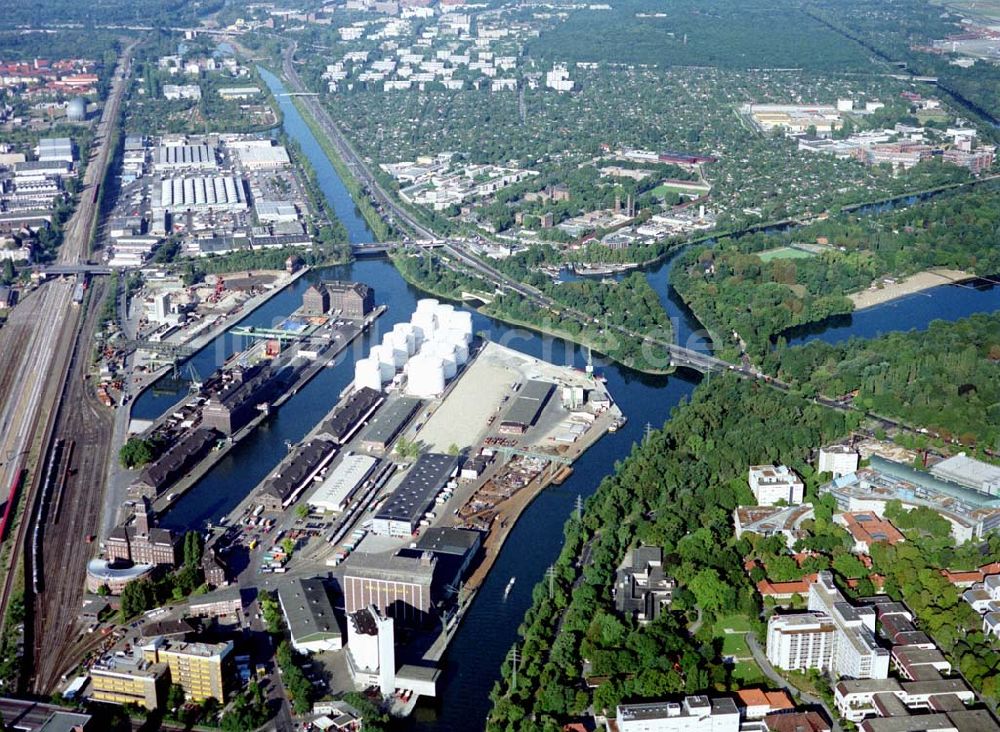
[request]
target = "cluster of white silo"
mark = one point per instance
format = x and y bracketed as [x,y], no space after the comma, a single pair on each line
[429,349]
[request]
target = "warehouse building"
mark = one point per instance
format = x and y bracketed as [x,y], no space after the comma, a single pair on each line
[353,300]
[339,487]
[174,463]
[55,148]
[406,506]
[260,154]
[217,193]
[232,407]
[184,157]
[281,490]
[309,615]
[351,416]
[526,407]
[398,586]
[388,423]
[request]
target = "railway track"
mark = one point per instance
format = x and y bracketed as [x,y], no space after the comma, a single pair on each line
[84,427]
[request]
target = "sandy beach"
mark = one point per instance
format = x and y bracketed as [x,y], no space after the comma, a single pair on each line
[908,286]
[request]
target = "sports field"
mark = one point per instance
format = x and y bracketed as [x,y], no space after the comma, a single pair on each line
[784,253]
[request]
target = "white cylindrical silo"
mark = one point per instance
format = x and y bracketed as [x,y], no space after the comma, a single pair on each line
[425,376]
[367,374]
[463,322]
[446,352]
[385,360]
[427,304]
[403,337]
[461,349]
[425,322]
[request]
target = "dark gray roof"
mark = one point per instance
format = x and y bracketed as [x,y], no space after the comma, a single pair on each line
[449,541]
[390,421]
[294,472]
[345,419]
[181,456]
[425,478]
[524,411]
[307,608]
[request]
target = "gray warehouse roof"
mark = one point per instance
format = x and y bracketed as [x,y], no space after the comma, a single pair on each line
[449,541]
[307,609]
[391,420]
[421,484]
[527,405]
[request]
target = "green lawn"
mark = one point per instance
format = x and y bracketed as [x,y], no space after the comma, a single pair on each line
[663,189]
[734,644]
[739,623]
[784,253]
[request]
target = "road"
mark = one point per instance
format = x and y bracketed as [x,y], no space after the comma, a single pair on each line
[36,349]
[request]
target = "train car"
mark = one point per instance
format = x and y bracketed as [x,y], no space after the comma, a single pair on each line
[12,496]
[78,292]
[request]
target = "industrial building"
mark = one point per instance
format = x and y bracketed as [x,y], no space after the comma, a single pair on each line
[337,489]
[55,149]
[204,670]
[315,300]
[174,463]
[455,550]
[141,541]
[260,154]
[695,713]
[371,650]
[293,476]
[351,416]
[233,406]
[353,300]
[309,614]
[526,407]
[401,587]
[184,157]
[217,193]
[389,423]
[406,506]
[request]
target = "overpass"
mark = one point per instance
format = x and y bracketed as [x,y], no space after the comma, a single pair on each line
[72,269]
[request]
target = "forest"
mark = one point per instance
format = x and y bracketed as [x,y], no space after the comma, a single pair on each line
[945,379]
[755,34]
[731,288]
[676,490]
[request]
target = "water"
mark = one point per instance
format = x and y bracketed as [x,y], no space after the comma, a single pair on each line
[472,662]
[911,312]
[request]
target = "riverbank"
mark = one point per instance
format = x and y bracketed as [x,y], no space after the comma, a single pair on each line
[547,331]
[908,286]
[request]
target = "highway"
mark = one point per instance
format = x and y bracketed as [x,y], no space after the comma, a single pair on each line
[36,346]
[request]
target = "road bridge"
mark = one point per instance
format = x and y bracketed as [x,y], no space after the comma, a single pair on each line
[72,269]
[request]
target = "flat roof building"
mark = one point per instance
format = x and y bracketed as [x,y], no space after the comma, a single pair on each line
[337,489]
[176,157]
[203,669]
[129,680]
[388,423]
[694,713]
[401,587]
[969,473]
[526,407]
[773,483]
[309,614]
[413,497]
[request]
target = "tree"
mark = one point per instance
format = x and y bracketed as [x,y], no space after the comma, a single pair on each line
[193,547]
[137,452]
[175,696]
[302,510]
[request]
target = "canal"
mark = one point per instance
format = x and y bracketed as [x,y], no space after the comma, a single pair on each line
[472,662]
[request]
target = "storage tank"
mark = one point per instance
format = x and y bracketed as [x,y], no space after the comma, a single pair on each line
[386,361]
[367,374]
[425,322]
[399,355]
[403,336]
[427,305]
[463,322]
[425,376]
[76,110]
[457,341]
[446,352]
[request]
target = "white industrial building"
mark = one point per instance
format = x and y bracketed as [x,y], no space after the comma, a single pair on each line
[312,624]
[276,212]
[773,483]
[55,149]
[338,486]
[219,193]
[184,157]
[695,713]
[260,154]
[371,650]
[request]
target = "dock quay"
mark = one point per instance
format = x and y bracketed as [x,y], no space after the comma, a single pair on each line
[286,374]
[514,424]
